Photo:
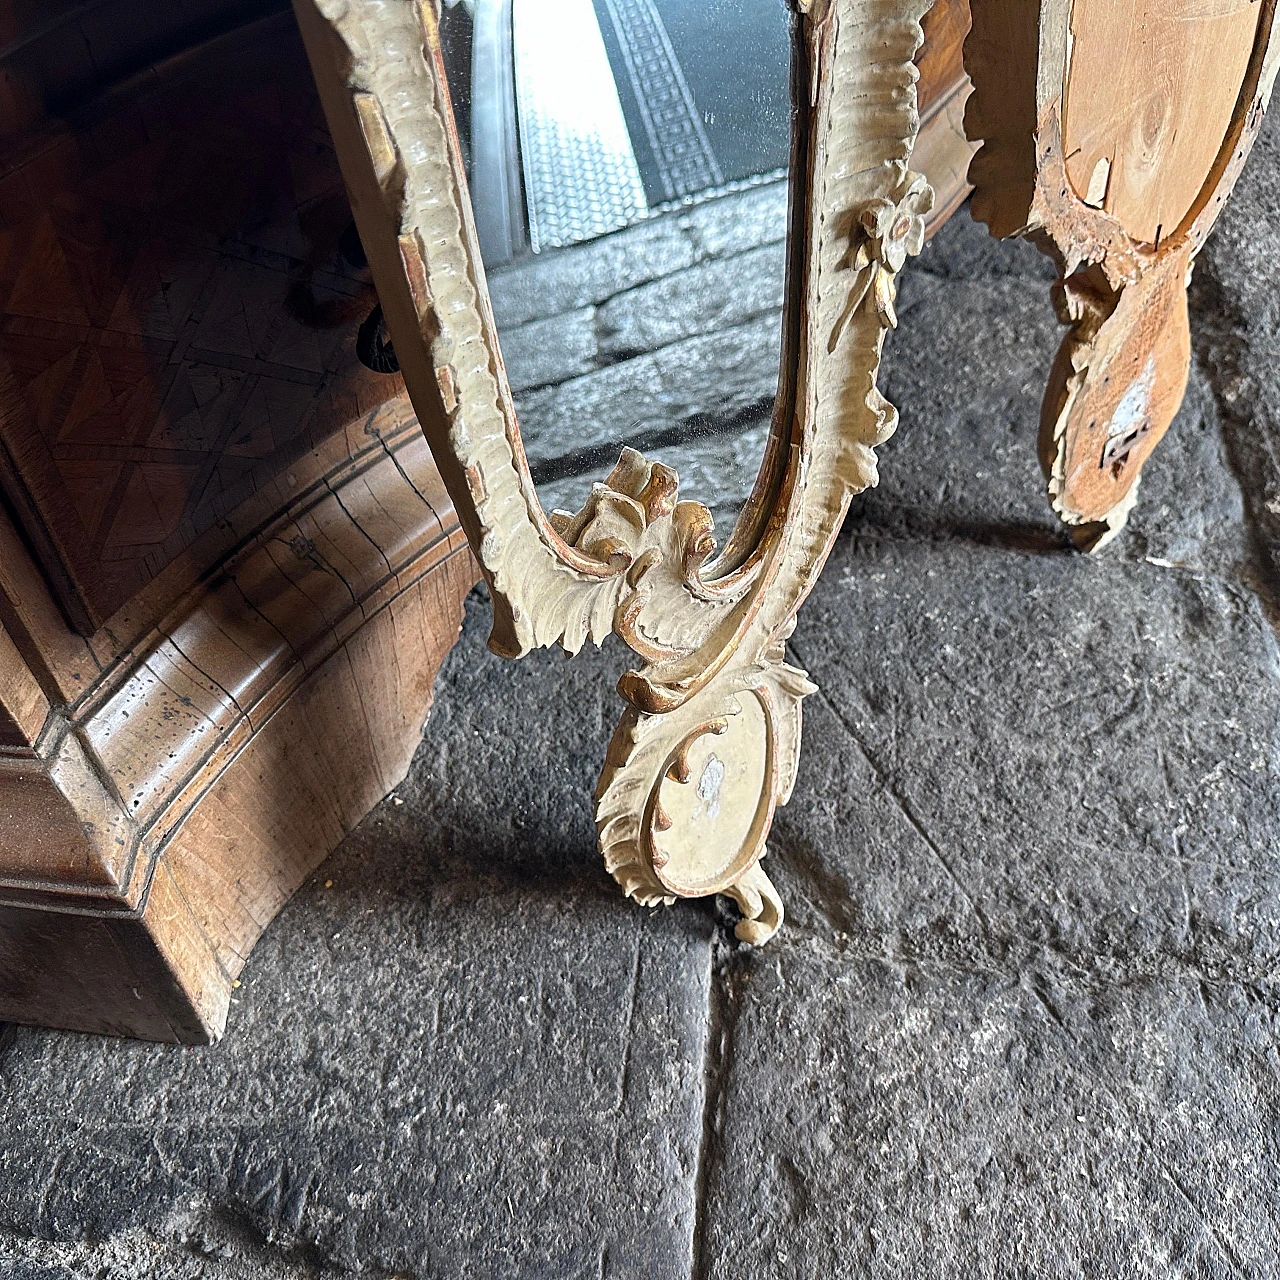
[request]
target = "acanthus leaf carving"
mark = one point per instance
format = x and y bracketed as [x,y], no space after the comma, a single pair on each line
[708,746]
[736,742]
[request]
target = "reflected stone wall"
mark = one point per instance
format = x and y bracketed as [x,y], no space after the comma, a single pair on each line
[664,336]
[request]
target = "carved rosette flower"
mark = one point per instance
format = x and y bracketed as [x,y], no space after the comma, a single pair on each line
[890,229]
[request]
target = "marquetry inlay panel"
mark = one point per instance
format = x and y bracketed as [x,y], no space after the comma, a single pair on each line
[176,320]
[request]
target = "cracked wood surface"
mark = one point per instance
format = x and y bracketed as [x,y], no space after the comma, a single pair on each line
[1112,136]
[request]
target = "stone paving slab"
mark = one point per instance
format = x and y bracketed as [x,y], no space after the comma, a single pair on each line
[556,282]
[664,337]
[890,1119]
[1087,755]
[708,298]
[717,470]
[731,372]
[1235,304]
[458,1056]
[551,350]
[1021,1021]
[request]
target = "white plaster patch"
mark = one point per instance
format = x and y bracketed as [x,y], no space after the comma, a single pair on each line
[709,786]
[1099,181]
[1135,405]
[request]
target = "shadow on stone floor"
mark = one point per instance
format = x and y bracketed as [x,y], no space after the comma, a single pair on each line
[1022,1019]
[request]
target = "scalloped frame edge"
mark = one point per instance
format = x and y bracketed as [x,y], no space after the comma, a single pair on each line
[632,561]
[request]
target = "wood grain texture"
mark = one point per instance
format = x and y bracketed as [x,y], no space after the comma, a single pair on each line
[1120,378]
[943,150]
[1161,108]
[942,153]
[940,59]
[103,975]
[24,708]
[1150,93]
[160,819]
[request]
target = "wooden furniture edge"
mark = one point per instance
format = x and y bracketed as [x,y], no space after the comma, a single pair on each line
[943,151]
[151,829]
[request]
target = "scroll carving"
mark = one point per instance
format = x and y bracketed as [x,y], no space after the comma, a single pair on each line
[708,743]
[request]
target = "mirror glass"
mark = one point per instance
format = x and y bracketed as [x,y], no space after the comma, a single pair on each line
[628,169]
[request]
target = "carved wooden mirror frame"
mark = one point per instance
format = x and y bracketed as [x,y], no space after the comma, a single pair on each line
[1122,368]
[708,744]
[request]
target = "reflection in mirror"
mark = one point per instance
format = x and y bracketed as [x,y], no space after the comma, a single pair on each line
[628,170]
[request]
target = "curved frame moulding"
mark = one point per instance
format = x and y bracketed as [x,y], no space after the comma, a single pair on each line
[709,738]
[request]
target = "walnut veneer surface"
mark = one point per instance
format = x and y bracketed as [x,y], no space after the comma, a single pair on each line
[236,570]
[174,319]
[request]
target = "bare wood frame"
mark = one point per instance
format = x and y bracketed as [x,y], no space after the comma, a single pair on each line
[1122,369]
[708,744]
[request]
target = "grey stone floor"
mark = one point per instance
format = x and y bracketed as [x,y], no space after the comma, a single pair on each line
[1022,1020]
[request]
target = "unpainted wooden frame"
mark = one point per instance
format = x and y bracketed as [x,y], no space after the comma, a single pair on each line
[1111,136]
[708,744]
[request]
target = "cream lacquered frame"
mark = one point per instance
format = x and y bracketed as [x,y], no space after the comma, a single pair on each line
[709,741]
